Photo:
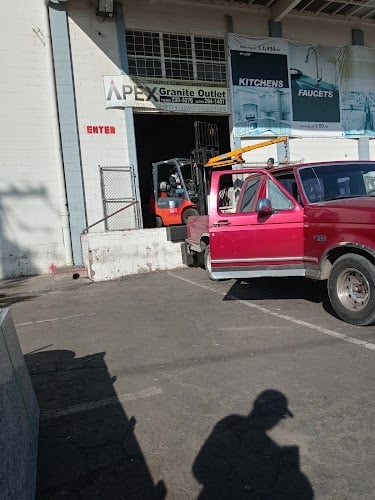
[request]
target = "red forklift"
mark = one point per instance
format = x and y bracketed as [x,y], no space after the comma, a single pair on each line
[171,209]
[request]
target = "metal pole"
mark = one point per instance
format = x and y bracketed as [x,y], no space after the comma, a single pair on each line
[61,195]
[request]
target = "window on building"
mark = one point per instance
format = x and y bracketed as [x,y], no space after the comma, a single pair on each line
[176,56]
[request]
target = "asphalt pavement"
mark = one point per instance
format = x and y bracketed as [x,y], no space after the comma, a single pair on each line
[168,385]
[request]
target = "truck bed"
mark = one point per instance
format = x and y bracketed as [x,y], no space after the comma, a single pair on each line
[197,227]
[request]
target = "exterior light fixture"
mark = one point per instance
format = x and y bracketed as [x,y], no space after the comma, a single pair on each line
[105,8]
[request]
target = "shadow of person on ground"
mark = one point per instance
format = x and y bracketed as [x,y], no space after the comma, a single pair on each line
[240,461]
[87,443]
[7,300]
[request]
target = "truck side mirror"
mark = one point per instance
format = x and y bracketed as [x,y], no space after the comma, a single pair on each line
[264,207]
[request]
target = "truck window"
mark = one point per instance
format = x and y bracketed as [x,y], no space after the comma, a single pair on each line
[288,181]
[226,198]
[248,196]
[234,191]
[278,199]
[340,180]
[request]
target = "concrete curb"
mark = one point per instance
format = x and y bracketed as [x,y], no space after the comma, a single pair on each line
[19,417]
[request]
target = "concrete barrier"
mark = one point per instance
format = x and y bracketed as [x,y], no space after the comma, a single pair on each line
[19,418]
[113,254]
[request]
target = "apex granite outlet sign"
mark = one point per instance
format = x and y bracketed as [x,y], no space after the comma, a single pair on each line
[179,96]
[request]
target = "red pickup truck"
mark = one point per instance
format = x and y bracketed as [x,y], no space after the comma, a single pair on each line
[314,220]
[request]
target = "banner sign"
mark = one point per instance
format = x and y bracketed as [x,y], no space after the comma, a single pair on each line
[168,95]
[357,88]
[291,88]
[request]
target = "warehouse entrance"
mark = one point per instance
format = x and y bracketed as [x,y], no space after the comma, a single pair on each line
[160,137]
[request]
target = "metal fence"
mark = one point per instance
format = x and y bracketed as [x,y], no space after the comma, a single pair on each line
[118,189]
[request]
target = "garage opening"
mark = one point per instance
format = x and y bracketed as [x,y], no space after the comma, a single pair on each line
[160,137]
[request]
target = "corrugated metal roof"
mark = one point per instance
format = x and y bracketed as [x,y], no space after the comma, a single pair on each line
[361,10]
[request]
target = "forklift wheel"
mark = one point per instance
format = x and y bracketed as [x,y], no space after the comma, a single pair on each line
[188,213]
[159,222]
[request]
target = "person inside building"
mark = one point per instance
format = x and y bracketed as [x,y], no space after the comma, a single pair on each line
[175,184]
[270,163]
[224,200]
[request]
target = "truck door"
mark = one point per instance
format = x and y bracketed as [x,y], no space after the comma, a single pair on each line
[246,243]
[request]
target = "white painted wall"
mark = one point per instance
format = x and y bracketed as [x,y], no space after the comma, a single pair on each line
[30,222]
[372,149]
[323,149]
[95,53]
[114,254]
[306,150]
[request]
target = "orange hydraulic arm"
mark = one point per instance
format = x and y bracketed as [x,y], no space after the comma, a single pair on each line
[235,156]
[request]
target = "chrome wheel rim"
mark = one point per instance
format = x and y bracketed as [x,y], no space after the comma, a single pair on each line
[353,289]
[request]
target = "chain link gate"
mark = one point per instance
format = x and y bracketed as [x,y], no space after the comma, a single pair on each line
[118,189]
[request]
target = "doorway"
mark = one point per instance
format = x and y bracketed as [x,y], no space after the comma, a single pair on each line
[160,137]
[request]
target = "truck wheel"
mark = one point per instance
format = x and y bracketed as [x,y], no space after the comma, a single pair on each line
[351,289]
[159,222]
[207,263]
[188,213]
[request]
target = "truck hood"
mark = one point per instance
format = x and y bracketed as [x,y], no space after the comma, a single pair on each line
[359,210]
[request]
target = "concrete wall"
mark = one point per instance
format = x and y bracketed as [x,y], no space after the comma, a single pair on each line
[19,418]
[120,253]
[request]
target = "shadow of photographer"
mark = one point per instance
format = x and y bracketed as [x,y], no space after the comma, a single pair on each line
[240,461]
[87,443]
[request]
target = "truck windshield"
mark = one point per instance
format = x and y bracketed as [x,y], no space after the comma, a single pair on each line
[341,180]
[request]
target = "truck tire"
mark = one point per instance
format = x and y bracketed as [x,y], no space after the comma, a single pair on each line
[207,263]
[351,289]
[188,213]
[159,222]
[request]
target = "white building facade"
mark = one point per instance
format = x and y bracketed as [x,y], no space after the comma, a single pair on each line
[69,157]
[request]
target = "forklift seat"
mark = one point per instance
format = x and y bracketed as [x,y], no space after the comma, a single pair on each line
[163,187]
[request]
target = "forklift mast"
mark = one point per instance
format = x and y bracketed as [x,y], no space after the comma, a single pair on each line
[206,147]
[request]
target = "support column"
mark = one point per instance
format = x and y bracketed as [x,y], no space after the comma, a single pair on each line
[128,112]
[68,125]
